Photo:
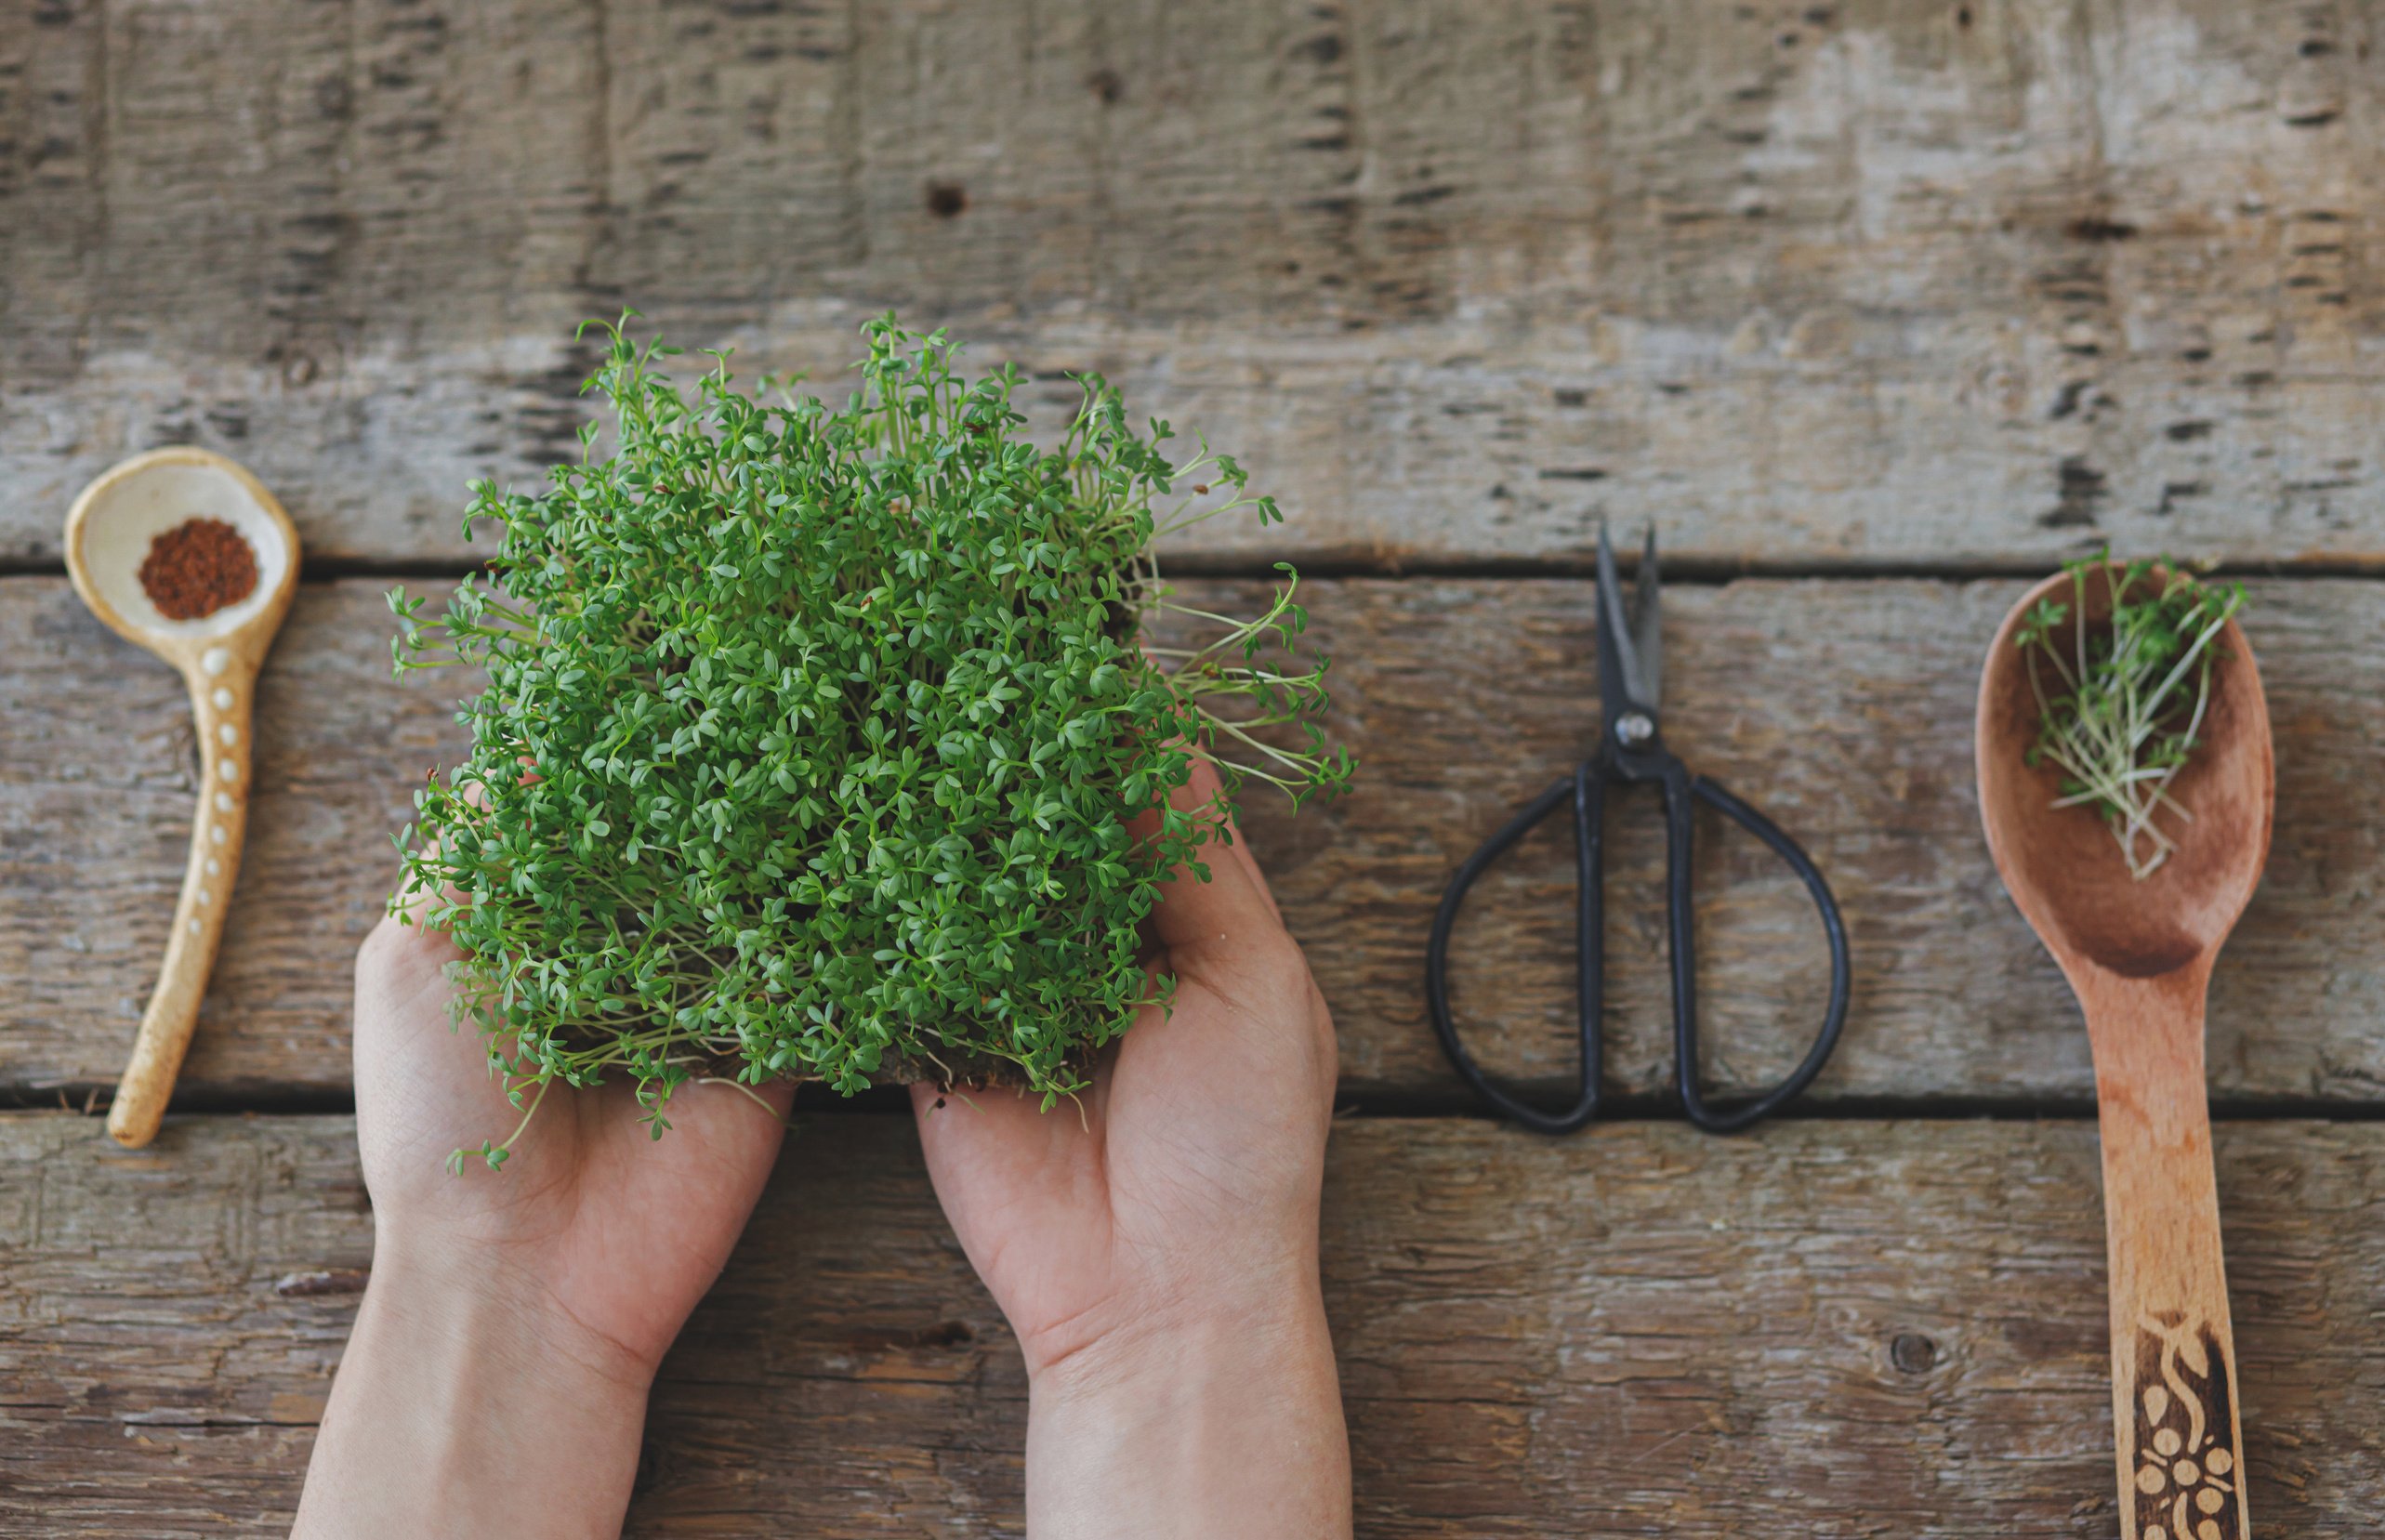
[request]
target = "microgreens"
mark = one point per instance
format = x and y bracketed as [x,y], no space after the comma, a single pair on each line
[2129,694]
[811,738]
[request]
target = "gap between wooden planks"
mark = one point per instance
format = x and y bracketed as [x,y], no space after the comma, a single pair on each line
[1902,282]
[1840,707]
[1827,1329]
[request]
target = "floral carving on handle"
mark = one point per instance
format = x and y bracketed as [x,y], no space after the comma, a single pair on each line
[2189,1471]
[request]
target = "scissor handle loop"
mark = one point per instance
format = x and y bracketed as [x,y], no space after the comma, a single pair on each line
[1585,789]
[1713,1119]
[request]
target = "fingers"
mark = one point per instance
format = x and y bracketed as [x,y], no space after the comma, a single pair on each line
[996,1155]
[1232,904]
[1241,851]
[1198,790]
[397,956]
[718,1124]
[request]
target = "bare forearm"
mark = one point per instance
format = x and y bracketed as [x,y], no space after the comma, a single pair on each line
[1228,1425]
[459,1411]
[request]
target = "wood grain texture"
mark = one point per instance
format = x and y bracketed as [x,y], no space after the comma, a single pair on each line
[1824,1329]
[1895,282]
[1841,709]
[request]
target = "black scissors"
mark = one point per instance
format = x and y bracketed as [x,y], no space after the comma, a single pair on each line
[1631,749]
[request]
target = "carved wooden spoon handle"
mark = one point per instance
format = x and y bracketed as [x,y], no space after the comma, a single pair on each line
[2179,1437]
[220,703]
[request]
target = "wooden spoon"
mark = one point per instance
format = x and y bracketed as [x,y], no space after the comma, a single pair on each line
[108,534]
[2139,954]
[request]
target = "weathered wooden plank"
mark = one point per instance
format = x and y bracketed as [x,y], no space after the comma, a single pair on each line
[1827,1329]
[1842,709]
[1896,282]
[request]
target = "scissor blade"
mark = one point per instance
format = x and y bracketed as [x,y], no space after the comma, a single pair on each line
[1619,682]
[1648,636]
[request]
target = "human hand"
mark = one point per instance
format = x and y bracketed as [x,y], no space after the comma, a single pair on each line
[1155,1247]
[496,1378]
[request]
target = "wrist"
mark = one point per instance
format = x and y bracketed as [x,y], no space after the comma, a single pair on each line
[469,1403]
[1224,1420]
[483,1293]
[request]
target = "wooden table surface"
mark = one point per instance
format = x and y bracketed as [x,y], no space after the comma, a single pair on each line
[1880,307]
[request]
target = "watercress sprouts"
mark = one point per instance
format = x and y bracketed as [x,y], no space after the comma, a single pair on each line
[810,737]
[2120,701]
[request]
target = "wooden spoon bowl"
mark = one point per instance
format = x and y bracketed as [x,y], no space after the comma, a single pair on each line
[2139,954]
[108,535]
[2092,908]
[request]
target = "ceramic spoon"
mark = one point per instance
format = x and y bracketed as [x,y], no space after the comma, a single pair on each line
[2139,954]
[108,533]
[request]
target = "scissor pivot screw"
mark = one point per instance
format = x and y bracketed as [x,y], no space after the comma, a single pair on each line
[1633,726]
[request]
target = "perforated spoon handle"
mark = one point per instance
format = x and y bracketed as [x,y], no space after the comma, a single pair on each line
[223,688]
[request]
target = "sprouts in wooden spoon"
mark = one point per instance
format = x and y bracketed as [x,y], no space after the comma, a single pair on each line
[2120,701]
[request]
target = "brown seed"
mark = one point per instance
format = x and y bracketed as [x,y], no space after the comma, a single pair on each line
[196,567]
